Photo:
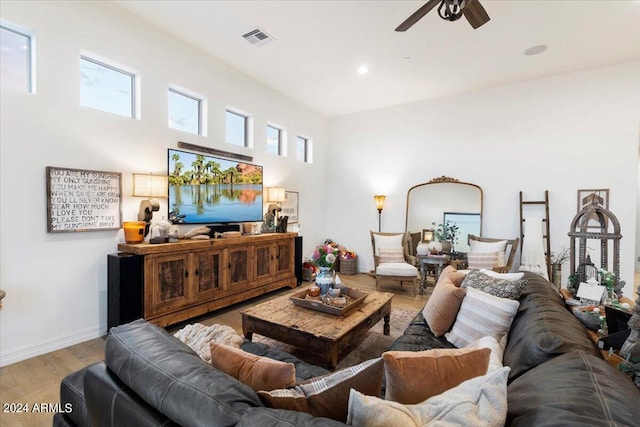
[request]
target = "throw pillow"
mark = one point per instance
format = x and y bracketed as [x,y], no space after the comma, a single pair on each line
[481,315]
[504,276]
[497,350]
[413,376]
[442,307]
[391,255]
[500,247]
[481,401]
[387,242]
[478,260]
[328,396]
[511,289]
[259,373]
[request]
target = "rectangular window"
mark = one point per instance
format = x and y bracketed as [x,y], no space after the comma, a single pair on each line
[16,59]
[274,140]
[185,112]
[303,149]
[107,88]
[237,129]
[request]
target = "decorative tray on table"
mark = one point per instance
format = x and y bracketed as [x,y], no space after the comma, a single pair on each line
[349,300]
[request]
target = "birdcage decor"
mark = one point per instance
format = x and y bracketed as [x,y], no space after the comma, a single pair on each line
[607,232]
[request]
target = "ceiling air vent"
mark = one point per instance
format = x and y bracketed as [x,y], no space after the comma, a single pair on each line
[257,37]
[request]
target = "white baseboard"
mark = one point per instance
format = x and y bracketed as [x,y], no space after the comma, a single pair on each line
[27,352]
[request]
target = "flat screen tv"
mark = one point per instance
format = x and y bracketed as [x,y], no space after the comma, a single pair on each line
[212,190]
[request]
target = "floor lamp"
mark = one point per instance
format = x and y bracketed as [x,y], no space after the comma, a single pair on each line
[379,198]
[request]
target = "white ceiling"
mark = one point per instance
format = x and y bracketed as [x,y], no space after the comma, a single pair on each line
[320,44]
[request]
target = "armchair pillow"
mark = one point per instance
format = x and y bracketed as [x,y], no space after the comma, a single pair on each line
[387,242]
[391,255]
[478,260]
[481,315]
[499,247]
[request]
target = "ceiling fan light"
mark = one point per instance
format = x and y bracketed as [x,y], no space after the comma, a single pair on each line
[451,10]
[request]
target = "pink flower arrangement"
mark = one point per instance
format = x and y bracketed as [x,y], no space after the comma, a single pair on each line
[325,255]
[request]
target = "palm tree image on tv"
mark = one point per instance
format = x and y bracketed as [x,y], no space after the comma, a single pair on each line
[209,190]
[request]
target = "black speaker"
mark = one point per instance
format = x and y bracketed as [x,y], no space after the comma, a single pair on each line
[298,259]
[124,288]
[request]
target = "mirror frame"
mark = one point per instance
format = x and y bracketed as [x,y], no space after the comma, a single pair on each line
[443,180]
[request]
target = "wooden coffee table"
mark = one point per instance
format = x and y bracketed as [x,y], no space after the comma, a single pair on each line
[323,334]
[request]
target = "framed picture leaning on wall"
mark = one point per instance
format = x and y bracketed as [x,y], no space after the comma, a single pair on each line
[290,206]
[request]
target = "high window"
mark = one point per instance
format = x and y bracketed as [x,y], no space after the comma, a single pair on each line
[107,88]
[185,112]
[303,149]
[16,58]
[275,140]
[237,128]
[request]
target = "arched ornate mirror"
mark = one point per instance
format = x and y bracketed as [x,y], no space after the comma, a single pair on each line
[443,199]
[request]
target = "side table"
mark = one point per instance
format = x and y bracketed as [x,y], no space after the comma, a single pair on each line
[439,261]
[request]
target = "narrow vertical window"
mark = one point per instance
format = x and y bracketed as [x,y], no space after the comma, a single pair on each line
[16,62]
[237,129]
[185,112]
[274,140]
[303,149]
[107,88]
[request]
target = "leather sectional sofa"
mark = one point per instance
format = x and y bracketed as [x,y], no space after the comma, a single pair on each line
[148,378]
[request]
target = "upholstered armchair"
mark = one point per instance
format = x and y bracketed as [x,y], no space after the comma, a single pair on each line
[490,253]
[393,260]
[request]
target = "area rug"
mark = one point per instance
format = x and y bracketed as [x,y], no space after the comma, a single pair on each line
[373,343]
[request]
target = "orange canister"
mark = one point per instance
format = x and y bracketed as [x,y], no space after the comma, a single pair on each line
[134,231]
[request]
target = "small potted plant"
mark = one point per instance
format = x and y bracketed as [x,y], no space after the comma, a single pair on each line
[447,234]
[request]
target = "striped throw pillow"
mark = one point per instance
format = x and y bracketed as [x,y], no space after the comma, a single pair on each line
[391,255]
[478,260]
[481,315]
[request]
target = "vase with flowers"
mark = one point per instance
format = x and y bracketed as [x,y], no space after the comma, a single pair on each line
[324,256]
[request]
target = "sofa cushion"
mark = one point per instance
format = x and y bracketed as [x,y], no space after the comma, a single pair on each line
[502,288]
[185,388]
[268,417]
[542,329]
[402,269]
[419,337]
[480,401]
[72,397]
[328,396]
[481,315]
[414,376]
[576,389]
[442,307]
[259,373]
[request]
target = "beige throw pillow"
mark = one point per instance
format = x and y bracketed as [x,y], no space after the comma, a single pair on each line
[413,376]
[259,373]
[478,260]
[499,247]
[478,402]
[482,315]
[391,255]
[442,307]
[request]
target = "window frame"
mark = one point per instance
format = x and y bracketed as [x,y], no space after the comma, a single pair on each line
[282,134]
[201,108]
[31,51]
[135,77]
[308,155]
[247,126]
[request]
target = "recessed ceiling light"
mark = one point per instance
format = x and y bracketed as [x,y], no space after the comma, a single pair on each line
[535,50]
[363,69]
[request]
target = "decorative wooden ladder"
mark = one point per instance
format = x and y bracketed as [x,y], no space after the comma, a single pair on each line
[545,221]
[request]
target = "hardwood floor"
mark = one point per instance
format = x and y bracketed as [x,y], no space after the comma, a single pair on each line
[37,380]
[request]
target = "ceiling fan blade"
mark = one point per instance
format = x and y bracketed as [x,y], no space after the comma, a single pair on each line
[475,13]
[417,15]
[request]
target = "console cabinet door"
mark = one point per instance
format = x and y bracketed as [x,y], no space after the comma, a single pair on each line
[239,268]
[285,258]
[264,263]
[167,279]
[208,274]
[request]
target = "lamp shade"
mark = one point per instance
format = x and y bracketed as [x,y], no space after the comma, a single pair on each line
[149,185]
[275,194]
[379,198]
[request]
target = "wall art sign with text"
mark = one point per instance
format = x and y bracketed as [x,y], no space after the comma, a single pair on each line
[83,200]
[290,206]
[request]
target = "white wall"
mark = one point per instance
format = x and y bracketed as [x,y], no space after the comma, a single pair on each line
[574,131]
[56,284]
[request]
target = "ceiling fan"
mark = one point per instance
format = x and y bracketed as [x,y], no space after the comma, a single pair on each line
[450,10]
